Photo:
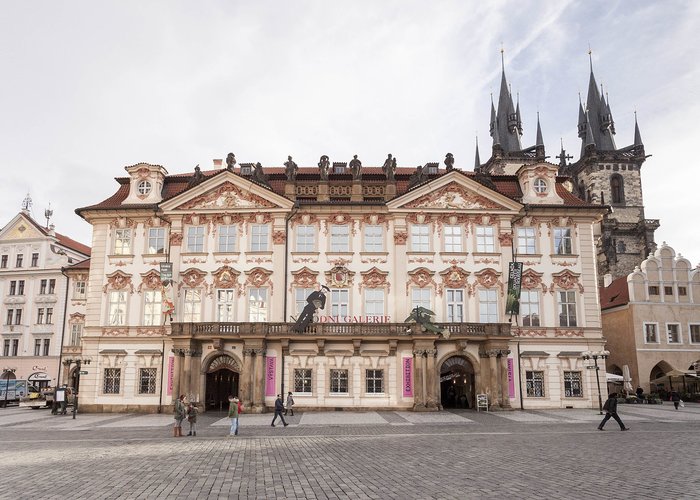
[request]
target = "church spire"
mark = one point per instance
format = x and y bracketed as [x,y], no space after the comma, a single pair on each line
[539,141]
[637,135]
[598,116]
[477,160]
[506,126]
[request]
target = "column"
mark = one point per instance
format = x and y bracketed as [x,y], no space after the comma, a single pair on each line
[495,395]
[418,393]
[259,379]
[177,366]
[245,389]
[431,376]
[195,375]
[503,367]
[186,373]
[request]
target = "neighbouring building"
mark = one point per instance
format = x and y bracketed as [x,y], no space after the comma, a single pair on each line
[34,294]
[651,321]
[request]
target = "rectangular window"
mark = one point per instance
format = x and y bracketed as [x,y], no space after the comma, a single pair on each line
[76,333]
[306,238]
[421,297]
[156,240]
[694,334]
[227,238]
[374,302]
[193,305]
[79,290]
[116,315]
[562,241]
[455,305]
[668,290]
[526,240]
[6,348]
[15,347]
[20,258]
[300,295]
[375,381]
[302,380]
[147,380]
[257,305]
[651,333]
[673,333]
[122,241]
[340,238]
[13,287]
[653,290]
[682,291]
[339,382]
[3,262]
[152,308]
[485,239]
[10,316]
[530,307]
[195,239]
[340,303]
[567,308]
[18,316]
[453,238]
[534,384]
[49,315]
[40,316]
[258,238]
[572,385]
[20,287]
[37,347]
[374,238]
[420,238]
[35,259]
[52,287]
[488,306]
[112,379]
[42,287]
[224,306]
[47,345]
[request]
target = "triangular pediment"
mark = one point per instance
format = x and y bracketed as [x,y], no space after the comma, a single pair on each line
[20,228]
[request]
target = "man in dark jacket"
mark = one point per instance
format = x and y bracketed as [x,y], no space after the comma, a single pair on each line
[279,408]
[610,408]
[316,300]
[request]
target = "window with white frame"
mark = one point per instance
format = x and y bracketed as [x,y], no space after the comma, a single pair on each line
[455,305]
[453,238]
[302,380]
[6,347]
[651,333]
[40,316]
[374,238]
[225,306]
[562,241]
[20,287]
[111,381]
[19,260]
[42,287]
[485,239]
[300,295]
[147,380]
[46,345]
[540,186]
[567,308]
[488,306]
[340,302]
[673,333]
[257,305]
[526,240]
[374,302]
[421,297]
[192,310]
[79,290]
[227,238]
[52,286]
[694,333]
[374,381]
[156,240]
[49,315]
[572,385]
[420,238]
[340,238]
[37,347]
[530,307]
[534,383]
[122,241]
[258,237]
[13,288]
[35,260]
[76,333]
[195,239]
[339,382]
[306,238]
[116,312]
[152,308]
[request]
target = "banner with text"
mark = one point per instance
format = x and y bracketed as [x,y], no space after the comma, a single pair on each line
[171,373]
[515,274]
[270,375]
[511,379]
[408,377]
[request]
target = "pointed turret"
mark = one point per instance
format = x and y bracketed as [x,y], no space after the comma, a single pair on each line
[505,122]
[477,160]
[599,118]
[539,141]
[637,135]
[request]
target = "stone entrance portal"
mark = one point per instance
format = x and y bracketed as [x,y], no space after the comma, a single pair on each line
[457,383]
[221,381]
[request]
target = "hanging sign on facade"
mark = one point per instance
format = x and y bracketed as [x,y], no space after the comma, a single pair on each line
[511,380]
[166,272]
[408,377]
[515,274]
[270,375]
[171,371]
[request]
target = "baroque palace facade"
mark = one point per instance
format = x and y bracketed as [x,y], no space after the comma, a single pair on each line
[247,246]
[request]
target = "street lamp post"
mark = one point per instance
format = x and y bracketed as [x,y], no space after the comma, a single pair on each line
[79,362]
[595,356]
[6,372]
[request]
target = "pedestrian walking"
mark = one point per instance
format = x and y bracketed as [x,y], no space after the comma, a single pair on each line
[676,398]
[234,411]
[640,395]
[179,415]
[610,408]
[192,419]
[279,409]
[290,404]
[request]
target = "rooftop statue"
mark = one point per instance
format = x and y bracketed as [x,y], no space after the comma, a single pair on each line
[356,168]
[323,166]
[290,169]
[389,168]
[259,175]
[449,162]
[230,161]
[196,178]
[417,177]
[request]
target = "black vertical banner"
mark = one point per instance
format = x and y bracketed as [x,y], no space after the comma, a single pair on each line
[515,275]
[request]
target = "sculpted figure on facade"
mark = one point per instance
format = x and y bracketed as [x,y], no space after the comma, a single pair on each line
[290,169]
[323,166]
[449,162]
[389,168]
[230,162]
[196,178]
[356,168]
[259,175]
[417,177]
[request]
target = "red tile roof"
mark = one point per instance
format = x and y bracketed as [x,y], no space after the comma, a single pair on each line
[615,294]
[62,239]
[83,264]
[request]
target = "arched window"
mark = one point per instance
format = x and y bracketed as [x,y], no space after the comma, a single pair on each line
[617,190]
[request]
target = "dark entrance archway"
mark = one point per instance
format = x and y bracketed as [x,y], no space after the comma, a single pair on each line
[222,381]
[457,383]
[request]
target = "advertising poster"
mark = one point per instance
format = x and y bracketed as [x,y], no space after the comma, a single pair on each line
[511,379]
[171,372]
[270,375]
[408,377]
[515,274]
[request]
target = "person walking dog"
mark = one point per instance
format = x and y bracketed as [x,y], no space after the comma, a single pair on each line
[610,408]
[279,409]
[290,404]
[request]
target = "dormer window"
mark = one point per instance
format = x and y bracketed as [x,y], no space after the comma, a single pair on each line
[144,187]
[246,168]
[540,186]
[339,168]
[431,169]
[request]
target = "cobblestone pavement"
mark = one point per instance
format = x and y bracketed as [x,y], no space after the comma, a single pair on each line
[451,454]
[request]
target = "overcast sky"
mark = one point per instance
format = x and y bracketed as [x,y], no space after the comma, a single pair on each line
[90,87]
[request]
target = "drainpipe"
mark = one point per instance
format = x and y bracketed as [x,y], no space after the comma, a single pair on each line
[63,328]
[295,209]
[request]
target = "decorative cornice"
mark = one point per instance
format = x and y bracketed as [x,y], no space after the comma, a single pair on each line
[566,280]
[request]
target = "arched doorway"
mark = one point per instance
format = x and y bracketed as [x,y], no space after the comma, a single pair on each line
[222,381]
[457,383]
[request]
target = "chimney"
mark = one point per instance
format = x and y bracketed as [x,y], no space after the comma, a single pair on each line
[607,280]
[218,163]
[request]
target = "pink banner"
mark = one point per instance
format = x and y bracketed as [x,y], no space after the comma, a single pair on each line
[171,372]
[511,380]
[270,375]
[408,377]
